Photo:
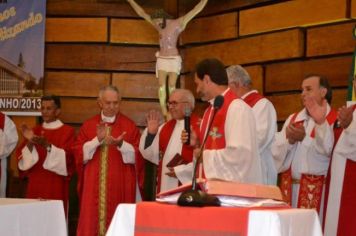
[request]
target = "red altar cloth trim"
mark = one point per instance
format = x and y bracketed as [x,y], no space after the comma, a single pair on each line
[157,219]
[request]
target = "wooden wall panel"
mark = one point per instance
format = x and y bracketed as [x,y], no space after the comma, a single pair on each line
[249,50]
[290,14]
[353,9]
[256,74]
[286,105]
[288,76]
[211,28]
[87,8]
[188,83]
[100,57]
[136,85]
[78,84]
[76,30]
[77,110]
[218,6]
[333,39]
[339,98]
[132,31]
[135,110]
[30,121]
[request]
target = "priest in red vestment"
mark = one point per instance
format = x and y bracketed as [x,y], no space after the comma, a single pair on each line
[231,151]
[341,204]
[265,116]
[160,144]
[45,156]
[303,147]
[106,154]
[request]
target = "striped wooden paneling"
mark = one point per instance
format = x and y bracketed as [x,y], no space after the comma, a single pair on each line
[135,110]
[214,7]
[339,98]
[132,31]
[78,84]
[136,85]
[286,105]
[89,8]
[332,39]
[211,28]
[291,14]
[76,30]
[256,74]
[30,121]
[77,110]
[188,83]
[260,48]
[288,76]
[100,57]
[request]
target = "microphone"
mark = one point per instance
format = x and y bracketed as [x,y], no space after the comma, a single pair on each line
[195,197]
[187,113]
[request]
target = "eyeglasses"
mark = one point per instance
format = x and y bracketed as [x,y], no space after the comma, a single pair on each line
[174,103]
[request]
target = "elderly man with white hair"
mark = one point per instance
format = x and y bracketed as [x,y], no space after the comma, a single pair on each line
[265,115]
[159,144]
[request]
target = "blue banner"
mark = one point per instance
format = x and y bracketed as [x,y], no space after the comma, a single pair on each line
[22,41]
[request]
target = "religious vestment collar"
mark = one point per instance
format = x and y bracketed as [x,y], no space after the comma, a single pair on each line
[248,93]
[211,101]
[52,125]
[107,119]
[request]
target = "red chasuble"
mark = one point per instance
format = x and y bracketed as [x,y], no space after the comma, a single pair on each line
[2,125]
[164,137]
[43,183]
[253,98]
[120,178]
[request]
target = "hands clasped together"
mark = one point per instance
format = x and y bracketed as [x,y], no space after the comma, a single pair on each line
[103,135]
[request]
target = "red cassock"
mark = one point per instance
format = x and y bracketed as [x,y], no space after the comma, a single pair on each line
[120,178]
[43,183]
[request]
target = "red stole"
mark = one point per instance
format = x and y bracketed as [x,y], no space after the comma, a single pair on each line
[253,98]
[216,136]
[310,185]
[164,137]
[2,125]
[337,134]
[2,121]
[347,220]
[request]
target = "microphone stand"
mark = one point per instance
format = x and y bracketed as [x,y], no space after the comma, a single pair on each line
[195,197]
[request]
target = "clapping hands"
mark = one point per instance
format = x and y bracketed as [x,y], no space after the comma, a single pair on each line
[103,135]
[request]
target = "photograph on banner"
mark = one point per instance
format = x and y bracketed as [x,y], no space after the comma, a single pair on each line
[22,41]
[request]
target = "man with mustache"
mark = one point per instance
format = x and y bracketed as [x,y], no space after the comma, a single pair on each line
[302,148]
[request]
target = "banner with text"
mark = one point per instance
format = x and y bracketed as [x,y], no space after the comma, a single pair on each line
[22,41]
